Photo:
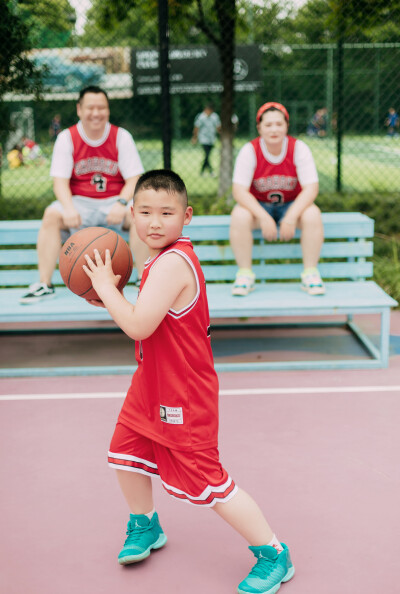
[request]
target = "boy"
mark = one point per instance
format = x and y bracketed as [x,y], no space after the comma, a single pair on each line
[168,425]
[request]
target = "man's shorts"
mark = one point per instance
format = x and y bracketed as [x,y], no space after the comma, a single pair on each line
[195,477]
[277,211]
[93,212]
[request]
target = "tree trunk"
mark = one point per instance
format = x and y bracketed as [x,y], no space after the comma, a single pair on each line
[226,13]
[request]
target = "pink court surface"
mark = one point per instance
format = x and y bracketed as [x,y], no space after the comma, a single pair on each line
[318,450]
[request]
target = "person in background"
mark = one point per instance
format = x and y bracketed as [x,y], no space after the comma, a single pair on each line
[275,184]
[95,166]
[206,126]
[392,122]
[55,127]
[15,157]
[319,123]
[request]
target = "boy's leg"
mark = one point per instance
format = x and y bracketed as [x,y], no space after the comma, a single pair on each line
[137,490]
[274,565]
[133,457]
[243,514]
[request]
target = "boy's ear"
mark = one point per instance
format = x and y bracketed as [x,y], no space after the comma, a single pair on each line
[188,215]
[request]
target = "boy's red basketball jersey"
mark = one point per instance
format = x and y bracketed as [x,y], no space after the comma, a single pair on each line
[173,398]
[276,183]
[93,175]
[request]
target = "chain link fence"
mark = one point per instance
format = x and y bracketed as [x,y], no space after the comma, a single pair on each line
[332,64]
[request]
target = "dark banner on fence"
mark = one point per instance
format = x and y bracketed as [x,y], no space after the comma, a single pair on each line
[195,69]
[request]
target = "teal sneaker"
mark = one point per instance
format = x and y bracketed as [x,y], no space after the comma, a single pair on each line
[272,568]
[143,535]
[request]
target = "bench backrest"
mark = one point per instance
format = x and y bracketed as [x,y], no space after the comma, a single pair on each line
[344,255]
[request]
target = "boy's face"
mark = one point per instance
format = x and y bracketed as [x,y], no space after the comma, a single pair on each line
[159,217]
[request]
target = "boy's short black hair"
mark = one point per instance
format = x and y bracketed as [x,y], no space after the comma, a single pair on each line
[91,89]
[162,179]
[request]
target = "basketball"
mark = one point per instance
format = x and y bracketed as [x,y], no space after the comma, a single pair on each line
[85,241]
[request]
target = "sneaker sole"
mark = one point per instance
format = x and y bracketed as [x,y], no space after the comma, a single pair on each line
[241,292]
[274,589]
[315,291]
[160,542]
[35,299]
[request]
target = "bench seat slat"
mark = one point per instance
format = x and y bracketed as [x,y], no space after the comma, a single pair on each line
[211,253]
[276,299]
[225,272]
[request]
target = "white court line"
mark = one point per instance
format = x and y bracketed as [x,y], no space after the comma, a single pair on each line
[238,392]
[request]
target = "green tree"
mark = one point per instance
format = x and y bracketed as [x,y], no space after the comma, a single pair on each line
[211,20]
[50,22]
[17,73]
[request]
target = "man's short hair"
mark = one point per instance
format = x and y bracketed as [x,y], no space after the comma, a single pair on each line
[162,179]
[91,89]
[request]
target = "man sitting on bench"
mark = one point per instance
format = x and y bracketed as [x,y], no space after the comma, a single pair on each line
[95,167]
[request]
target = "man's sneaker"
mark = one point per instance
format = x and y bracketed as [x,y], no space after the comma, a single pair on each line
[244,283]
[142,536]
[311,282]
[272,568]
[36,292]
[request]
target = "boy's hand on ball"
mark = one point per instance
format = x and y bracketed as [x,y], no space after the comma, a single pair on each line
[96,303]
[99,272]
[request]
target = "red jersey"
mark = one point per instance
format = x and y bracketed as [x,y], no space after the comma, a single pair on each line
[96,173]
[276,183]
[173,397]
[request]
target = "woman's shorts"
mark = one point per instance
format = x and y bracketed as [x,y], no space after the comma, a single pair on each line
[277,211]
[196,477]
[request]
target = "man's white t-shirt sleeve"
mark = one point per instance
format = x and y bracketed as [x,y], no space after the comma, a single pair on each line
[62,162]
[129,161]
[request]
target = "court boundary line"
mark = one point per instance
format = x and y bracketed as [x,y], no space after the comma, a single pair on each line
[226,392]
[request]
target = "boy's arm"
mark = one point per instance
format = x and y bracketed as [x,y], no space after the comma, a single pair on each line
[169,280]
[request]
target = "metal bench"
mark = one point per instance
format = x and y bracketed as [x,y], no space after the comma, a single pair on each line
[345,266]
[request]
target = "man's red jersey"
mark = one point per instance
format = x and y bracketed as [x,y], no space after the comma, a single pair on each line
[275,183]
[96,173]
[173,397]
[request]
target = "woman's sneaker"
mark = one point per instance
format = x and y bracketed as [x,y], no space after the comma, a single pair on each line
[244,282]
[311,282]
[37,292]
[272,568]
[142,536]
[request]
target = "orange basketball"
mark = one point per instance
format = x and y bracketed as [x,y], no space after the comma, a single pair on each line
[85,241]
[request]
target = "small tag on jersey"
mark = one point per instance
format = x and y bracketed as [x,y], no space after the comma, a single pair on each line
[172,415]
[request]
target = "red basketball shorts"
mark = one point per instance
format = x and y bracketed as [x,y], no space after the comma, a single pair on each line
[195,477]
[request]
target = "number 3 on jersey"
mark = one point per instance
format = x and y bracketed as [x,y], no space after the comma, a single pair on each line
[99,181]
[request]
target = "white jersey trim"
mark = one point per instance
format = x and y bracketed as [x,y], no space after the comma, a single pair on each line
[185,310]
[208,491]
[132,459]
